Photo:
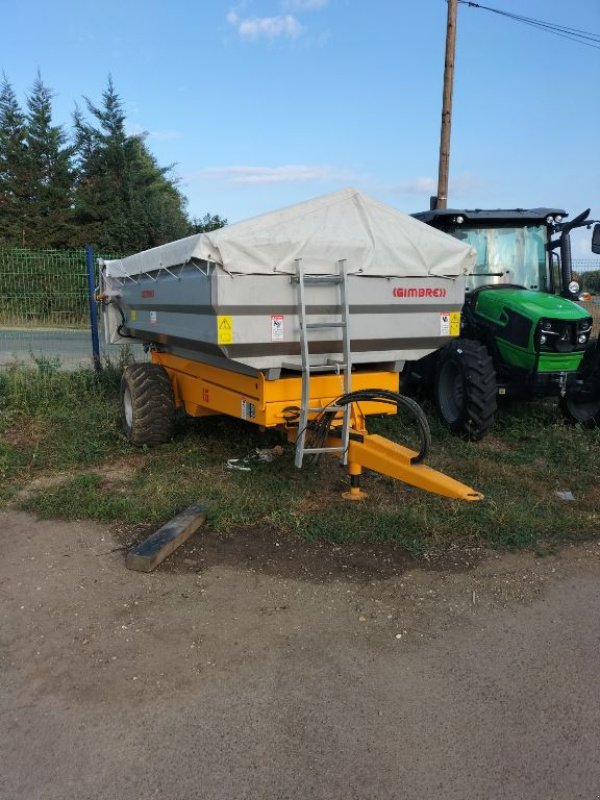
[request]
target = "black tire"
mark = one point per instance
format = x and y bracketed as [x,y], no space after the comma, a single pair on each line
[583,411]
[583,404]
[465,389]
[147,406]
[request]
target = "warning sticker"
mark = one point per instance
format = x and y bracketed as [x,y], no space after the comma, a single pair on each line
[450,323]
[133,315]
[153,318]
[277,328]
[455,323]
[225,330]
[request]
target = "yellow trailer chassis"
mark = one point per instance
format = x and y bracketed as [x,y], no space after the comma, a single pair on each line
[203,390]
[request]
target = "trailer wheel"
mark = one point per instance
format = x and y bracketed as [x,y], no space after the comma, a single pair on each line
[465,389]
[147,406]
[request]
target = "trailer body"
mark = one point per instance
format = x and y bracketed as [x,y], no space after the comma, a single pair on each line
[229,298]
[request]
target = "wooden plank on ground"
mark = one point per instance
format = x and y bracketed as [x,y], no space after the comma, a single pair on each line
[147,555]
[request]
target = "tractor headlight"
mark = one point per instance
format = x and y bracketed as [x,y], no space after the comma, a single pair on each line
[582,338]
[574,287]
[543,339]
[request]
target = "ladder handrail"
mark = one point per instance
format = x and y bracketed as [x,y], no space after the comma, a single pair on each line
[305,355]
[347,358]
[305,326]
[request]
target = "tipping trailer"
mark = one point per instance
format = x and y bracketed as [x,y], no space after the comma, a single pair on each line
[301,320]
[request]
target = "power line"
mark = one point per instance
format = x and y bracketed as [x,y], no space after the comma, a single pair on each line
[586,38]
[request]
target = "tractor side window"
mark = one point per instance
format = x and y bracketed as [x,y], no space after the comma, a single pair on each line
[534,258]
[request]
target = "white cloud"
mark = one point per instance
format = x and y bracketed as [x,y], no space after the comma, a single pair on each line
[462,184]
[133,129]
[304,5]
[285,25]
[289,173]
[164,136]
[417,186]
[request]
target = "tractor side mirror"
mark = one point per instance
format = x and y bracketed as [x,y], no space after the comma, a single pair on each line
[596,239]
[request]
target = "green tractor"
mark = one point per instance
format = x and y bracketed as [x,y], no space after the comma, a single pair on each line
[523,334]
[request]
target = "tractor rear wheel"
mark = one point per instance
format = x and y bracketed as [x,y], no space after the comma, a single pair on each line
[147,405]
[465,388]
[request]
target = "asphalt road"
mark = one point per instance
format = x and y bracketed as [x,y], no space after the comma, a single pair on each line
[247,681]
[72,347]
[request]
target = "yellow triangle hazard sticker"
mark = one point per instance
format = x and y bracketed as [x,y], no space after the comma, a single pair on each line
[455,323]
[225,330]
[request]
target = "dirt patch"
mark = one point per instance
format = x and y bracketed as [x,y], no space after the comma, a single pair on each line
[114,473]
[41,484]
[119,470]
[383,586]
[264,549]
[25,435]
[496,443]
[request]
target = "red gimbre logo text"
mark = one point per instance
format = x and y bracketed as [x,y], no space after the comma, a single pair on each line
[401,292]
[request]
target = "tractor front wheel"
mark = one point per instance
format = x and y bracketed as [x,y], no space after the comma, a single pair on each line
[465,388]
[582,405]
[585,411]
[147,405]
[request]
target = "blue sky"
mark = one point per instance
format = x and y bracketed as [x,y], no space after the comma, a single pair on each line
[263,103]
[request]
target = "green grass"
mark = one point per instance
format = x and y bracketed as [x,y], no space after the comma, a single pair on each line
[53,422]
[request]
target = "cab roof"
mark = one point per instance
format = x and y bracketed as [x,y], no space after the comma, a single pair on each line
[523,215]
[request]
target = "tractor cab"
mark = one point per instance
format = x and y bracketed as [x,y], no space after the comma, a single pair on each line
[520,318]
[514,246]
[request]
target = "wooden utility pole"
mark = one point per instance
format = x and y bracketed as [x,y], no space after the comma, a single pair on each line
[442,192]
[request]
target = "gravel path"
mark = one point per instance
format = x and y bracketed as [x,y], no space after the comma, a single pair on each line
[233,673]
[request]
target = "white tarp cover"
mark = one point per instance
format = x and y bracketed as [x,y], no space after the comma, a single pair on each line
[374,238]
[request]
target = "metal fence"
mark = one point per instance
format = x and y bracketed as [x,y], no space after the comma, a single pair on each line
[45,315]
[588,271]
[45,309]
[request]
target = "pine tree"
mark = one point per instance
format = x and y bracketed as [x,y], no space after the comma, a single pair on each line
[124,201]
[207,223]
[14,169]
[50,173]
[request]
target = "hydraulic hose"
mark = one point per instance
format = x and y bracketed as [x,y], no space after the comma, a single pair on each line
[320,426]
[401,402]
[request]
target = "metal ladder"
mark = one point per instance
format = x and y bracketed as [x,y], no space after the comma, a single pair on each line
[345,366]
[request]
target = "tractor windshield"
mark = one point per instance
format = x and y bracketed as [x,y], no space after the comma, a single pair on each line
[508,255]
